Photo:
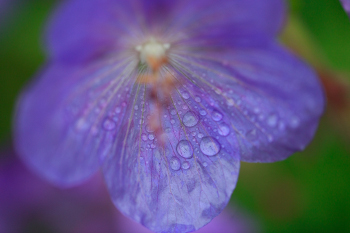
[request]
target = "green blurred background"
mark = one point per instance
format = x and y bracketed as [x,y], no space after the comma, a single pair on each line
[310,191]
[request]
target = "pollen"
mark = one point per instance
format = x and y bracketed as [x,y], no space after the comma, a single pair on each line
[153,53]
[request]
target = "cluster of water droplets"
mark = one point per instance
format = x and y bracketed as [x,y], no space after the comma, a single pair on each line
[203,145]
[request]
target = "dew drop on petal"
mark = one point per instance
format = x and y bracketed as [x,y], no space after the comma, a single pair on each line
[175,163]
[81,125]
[172,121]
[144,137]
[272,120]
[136,107]
[117,110]
[184,148]
[205,164]
[294,123]
[150,136]
[149,129]
[251,135]
[230,102]
[200,135]
[173,112]
[281,126]
[223,129]
[108,124]
[153,146]
[270,138]
[209,146]
[190,119]
[185,95]
[197,99]
[203,112]
[185,165]
[216,115]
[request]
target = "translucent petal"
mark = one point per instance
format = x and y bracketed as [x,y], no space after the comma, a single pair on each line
[271,100]
[169,168]
[67,120]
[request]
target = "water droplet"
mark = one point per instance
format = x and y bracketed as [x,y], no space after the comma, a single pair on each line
[184,107]
[197,99]
[172,121]
[209,146]
[230,102]
[185,95]
[294,123]
[144,137]
[117,110]
[223,129]
[185,165]
[203,112]
[175,163]
[251,135]
[153,146]
[270,138]
[200,135]
[272,120]
[81,125]
[149,129]
[193,134]
[205,164]
[108,124]
[136,107]
[281,126]
[150,136]
[218,91]
[184,148]
[216,115]
[190,119]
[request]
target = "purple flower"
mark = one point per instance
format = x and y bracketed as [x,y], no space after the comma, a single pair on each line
[166,97]
[346,5]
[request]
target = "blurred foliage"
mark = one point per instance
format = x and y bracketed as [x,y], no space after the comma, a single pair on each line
[309,192]
[21,54]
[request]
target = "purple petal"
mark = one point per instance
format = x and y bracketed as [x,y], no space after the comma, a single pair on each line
[82,30]
[67,120]
[170,168]
[346,5]
[272,101]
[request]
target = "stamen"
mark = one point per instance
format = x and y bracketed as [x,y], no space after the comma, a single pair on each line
[153,53]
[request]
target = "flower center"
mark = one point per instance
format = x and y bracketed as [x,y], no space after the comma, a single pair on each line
[153,53]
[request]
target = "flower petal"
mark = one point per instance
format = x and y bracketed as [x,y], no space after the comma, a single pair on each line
[67,119]
[81,30]
[85,29]
[170,169]
[272,100]
[227,19]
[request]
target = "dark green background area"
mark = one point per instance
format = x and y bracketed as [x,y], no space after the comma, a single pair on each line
[309,192]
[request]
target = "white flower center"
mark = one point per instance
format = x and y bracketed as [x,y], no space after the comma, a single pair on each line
[152,50]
